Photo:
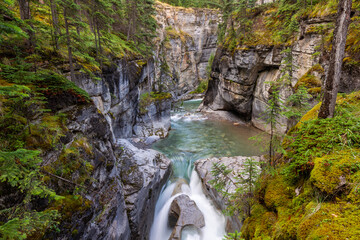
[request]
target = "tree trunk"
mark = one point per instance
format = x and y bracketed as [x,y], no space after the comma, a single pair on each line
[99,42]
[55,22]
[25,14]
[24,7]
[332,83]
[69,45]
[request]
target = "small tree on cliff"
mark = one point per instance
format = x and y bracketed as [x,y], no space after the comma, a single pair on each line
[332,83]
[274,110]
[241,200]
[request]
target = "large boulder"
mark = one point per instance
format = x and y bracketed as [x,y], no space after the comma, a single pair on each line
[204,169]
[184,212]
[143,173]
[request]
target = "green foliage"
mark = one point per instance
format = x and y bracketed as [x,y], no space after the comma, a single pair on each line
[47,82]
[10,25]
[298,103]
[274,111]
[193,3]
[233,236]
[209,65]
[201,88]
[317,137]
[241,200]
[316,191]
[147,98]
[20,169]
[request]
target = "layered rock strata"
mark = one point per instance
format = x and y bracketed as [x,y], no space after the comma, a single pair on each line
[117,96]
[240,80]
[186,39]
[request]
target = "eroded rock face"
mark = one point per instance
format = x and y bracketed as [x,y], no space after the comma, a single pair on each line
[186,39]
[143,174]
[102,214]
[184,212]
[123,183]
[239,80]
[117,96]
[155,121]
[204,166]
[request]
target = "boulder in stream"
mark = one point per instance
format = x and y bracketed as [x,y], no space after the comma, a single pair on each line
[184,212]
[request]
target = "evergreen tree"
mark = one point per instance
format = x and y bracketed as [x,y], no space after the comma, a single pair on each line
[241,200]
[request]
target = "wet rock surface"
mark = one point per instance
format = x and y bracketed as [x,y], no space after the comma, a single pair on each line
[117,96]
[143,174]
[184,212]
[155,121]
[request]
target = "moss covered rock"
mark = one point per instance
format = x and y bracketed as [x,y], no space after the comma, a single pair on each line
[316,191]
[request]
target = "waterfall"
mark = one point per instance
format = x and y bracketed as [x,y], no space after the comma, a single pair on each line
[194,137]
[214,220]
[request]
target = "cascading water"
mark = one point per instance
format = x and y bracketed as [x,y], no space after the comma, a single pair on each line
[194,137]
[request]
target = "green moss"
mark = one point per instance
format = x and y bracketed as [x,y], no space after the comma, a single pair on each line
[47,133]
[201,88]
[147,98]
[174,34]
[330,221]
[311,81]
[252,223]
[74,163]
[330,171]
[324,203]
[71,205]
[277,193]
[310,115]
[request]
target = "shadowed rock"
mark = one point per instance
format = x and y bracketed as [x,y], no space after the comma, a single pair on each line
[184,212]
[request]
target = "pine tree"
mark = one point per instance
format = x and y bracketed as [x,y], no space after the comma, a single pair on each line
[20,170]
[241,200]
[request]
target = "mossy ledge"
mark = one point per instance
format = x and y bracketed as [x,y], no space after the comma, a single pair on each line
[314,193]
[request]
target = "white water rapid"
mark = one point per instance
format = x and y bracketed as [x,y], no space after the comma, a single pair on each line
[214,220]
[194,137]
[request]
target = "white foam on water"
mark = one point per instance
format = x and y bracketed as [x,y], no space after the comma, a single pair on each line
[160,229]
[214,220]
[214,228]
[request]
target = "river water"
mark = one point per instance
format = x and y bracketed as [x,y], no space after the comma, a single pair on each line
[194,137]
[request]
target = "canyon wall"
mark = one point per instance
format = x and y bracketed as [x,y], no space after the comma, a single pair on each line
[125,181]
[186,39]
[110,188]
[240,79]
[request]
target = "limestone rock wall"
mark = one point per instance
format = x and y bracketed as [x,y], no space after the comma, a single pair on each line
[123,183]
[239,80]
[186,39]
[117,97]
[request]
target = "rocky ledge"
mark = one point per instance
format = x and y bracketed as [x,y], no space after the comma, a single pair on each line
[204,167]
[110,188]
